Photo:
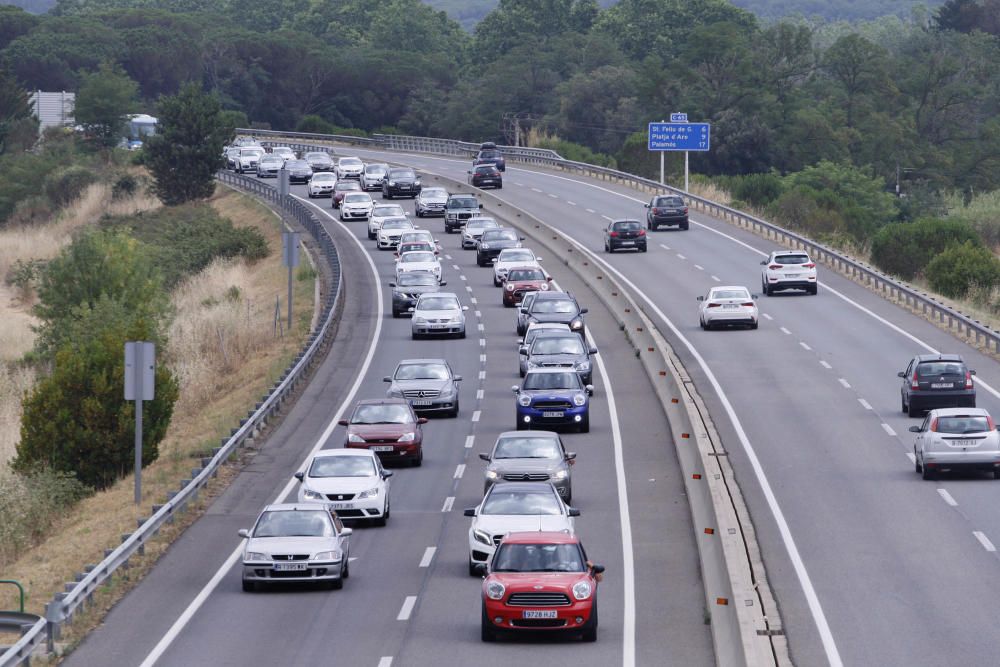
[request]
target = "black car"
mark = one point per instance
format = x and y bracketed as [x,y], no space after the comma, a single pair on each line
[936,381]
[559,307]
[409,287]
[624,235]
[493,241]
[299,171]
[319,161]
[668,210]
[490,154]
[400,181]
[485,175]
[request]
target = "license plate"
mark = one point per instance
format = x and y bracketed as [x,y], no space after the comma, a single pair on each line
[941,385]
[341,506]
[792,275]
[553,413]
[540,613]
[670,211]
[421,401]
[963,443]
[383,448]
[730,306]
[290,567]
[628,242]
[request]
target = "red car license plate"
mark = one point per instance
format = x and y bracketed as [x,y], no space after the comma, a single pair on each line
[540,613]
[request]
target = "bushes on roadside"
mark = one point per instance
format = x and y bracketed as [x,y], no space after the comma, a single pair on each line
[30,503]
[758,190]
[576,152]
[960,267]
[904,249]
[65,185]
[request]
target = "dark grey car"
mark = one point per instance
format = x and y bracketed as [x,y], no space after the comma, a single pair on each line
[532,456]
[561,350]
[299,171]
[428,384]
[493,241]
[319,161]
[936,381]
[409,287]
[556,307]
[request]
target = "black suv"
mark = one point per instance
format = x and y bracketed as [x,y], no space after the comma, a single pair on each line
[483,175]
[936,381]
[490,154]
[558,307]
[492,242]
[458,210]
[624,235]
[400,181]
[666,210]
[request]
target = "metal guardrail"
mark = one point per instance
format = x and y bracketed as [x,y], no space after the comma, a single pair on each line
[959,324]
[80,592]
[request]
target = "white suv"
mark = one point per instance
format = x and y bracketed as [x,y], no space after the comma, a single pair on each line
[788,269]
[350,481]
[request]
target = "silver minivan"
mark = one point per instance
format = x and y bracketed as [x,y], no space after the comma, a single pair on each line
[956,439]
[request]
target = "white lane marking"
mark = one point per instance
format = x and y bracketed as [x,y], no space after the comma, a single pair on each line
[815,608]
[945,496]
[888,430]
[482,358]
[767,317]
[448,257]
[482,342]
[805,346]
[521,184]
[716,279]
[479,394]
[428,556]
[482,375]
[456,267]
[385,661]
[473,301]
[459,471]
[227,565]
[844,383]
[407,608]
[590,210]
[785,331]
[911,456]
[462,278]
[535,190]
[449,502]
[469,441]
[607,218]
[571,203]
[476,415]
[825,365]
[554,196]
[468,288]
[481,327]
[699,267]
[665,246]
[680,256]
[865,404]
[479,313]
[985,541]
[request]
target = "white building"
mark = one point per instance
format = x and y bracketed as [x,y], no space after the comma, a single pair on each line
[53,109]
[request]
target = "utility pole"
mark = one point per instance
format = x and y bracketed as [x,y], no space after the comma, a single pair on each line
[290,258]
[140,373]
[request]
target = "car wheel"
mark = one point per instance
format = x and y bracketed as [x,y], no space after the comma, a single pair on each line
[249,586]
[472,568]
[912,411]
[487,632]
[380,521]
[701,323]
[418,213]
[310,195]
[927,473]
[462,334]
[569,496]
[590,629]
[500,187]
[585,425]
[396,313]
[337,584]
[419,461]
[753,325]
[996,473]
[814,289]
[454,412]
[642,249]
[347,567]
[902,402]
[684,226]
[916,462]
[388,507]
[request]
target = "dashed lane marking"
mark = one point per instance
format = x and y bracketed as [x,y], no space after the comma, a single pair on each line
[475,415]
[888,430]
[985,541]
[449,502]
[845,383]
[825,365]
[767,317]
[459,471]
[785,331]
[428,556]
[407,608]
[865,404]
[469,441]
[479,394]
[945,496]
[804,346]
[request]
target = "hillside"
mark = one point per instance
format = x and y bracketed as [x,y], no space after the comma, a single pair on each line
[835,10]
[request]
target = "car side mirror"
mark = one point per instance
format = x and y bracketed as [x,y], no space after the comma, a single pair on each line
[468,172]
[485,457]
[392,284]
[593,350]
[243,532]
[597,569]
[480,569]
[480,206]
[572,511]
[901,374]
[570,456]
[754,296]
[522,310]
[346,532]
[700,298]
[645,205]
[538,259]
[914,429]
[522,350]
[406,212]
[972,372]
[584,311]
[421,420]
[764,263]
[342,422]
[520,238]
[469,511]
[590,390]
[299,476]
[386,474]
[514,389]
[387,379]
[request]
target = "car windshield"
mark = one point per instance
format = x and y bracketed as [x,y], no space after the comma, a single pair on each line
[525,274]
[251,152]
[375,169]
[402,173]
[489,153]
[347,185]
[791,259]
[517,255]
[276,159]
[412,237]
[963,424]
[357,199]
[429,193]
[294,523]
[297,164]
[426,371]
[538,558]
[481,224]
[417,279]
[397,224]
[729,294]
[935,368]
[350,162]
[342,466]
[463,203]
[522,447]
[486,169]
[552,381]
[627,226]
[502,501]
[669,201]
[324,176]
[417,257]
[553,306]
[317,156]
[411,246]
[558,345]
[382,414]
[535,331]
[438,303]
[387,211]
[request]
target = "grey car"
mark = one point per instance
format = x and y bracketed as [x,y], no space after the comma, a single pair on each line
[438,314]
[299,171]
[561,350]
[408,288]
[529,336]
[319,161]
[522,312]
[296,543]
[533,456]
[556,307]
[428,384]
[269,166]
[951,439]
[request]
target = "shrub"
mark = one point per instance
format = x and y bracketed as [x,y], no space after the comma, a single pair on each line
[905,248]
[960,267]
[315,124]
[577,152]
[30,503]
[124,187]
[758,190]
[65,185]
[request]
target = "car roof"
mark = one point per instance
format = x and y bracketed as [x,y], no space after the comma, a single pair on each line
[529,267]
[540,537]
[960,412]
[528,434]
[461,195]
[421,361]
[383,401]
[554,326]
[525,487]
[940,357]
[437,294]
[560,296]
[413,252]
[615,222]
[331,453]
[725,287]
[283,507]
[550,371]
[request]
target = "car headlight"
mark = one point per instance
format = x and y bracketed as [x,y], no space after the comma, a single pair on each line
[309,494]
[532,364]
[336,555]
[482,536]
[524,400]
[253,555]
[406,437]
[582,590]
[492,474]
[484,246]
[583,366]
[416,182]
[457,319]
[509,287]
[560,474]
[545,286]
[392,183]
[394,393]
[420,320]
[495,590]
[579,399]
[354,437]
[576,324]
[370,493]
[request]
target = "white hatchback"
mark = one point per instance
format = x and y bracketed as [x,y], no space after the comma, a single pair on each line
[728,305]
[510,258]
[351,482]
[956,439]
[383,212]
[788,269]
[356,206]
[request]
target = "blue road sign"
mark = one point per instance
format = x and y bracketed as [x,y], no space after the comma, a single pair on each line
[679,136]
[678,118]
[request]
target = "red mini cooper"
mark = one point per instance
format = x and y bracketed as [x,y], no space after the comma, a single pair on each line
[520,281]
[540,581]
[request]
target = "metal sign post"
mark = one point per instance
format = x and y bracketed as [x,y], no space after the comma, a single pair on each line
[140,374]
[290,258]
[283,182]
[679,135]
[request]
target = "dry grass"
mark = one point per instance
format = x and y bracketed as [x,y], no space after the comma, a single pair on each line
[14,381]
[712,192]
[217,389]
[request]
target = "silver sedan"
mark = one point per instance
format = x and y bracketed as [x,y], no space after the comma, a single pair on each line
[956,439]
[534,456]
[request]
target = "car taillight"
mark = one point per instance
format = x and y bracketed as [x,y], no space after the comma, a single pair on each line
[748,304]
[685,209]
[968,380]
[613,234]
[914,384]
[713,305]
[989,422]
[656,211]
[774,267]
[933,427]
[810,265]
[642,232]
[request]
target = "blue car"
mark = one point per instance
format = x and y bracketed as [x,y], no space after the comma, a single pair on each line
[553,397]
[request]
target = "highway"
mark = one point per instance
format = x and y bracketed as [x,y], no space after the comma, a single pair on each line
[409,600]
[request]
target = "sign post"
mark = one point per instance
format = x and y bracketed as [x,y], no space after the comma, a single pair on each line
[290,258]
[140,374]
[679,135]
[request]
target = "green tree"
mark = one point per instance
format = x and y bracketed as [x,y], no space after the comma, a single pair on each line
[186,151]
[105,100]
[906,248]
[969,15]
[15,22]
[858,66]
[959,268]
[14,107]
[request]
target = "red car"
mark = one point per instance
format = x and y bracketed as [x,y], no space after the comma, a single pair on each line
[341,188]
[520,281]
[388,427]
[540,581]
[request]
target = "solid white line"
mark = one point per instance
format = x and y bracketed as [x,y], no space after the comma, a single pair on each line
[716,279]
[428,556]
[785,331]
[680,256]
[590,210]
[228,564]
[407,608]
[911,456]
[888,429]
[865,404]
[767,317]
[947,497]
[700,268]
[476,414]
[845,383]
[448,503]
[825,365]
[479,394]
[482,375]
[459,471]
[665,246]
[985,541]
[804,346]
[571,203]
[469,440]
[385,661]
